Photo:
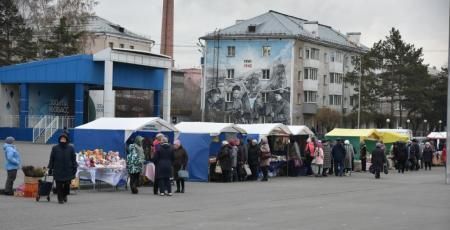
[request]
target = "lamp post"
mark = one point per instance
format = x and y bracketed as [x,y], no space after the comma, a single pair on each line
[424,126]
[440,125]
[387,122]
[407,123]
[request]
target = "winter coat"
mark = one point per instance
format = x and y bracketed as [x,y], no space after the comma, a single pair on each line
[309,148]
[338,152]
[163,160]
[414,151]
[326,156]
[349,154]
[400,153]
[318,156]
[12,157]
[234,153]
[242,154]
[265,155]
[63,164]
[427,154]
[253,155]
[378,158]
[181,160]
[363,152]
[134,160]
[224,158]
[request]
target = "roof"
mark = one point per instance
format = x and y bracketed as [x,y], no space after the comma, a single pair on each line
[267,129]
[129,124]
[364,133]
[391,137]
[437,135]
[97,24]
[276,24]
[300,130]
[212,128]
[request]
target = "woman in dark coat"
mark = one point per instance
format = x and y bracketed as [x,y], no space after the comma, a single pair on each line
[378,160]
[180,163]
[253,159]
[326,157]
[427,155]
[163,160]
[224,158]
[63,166]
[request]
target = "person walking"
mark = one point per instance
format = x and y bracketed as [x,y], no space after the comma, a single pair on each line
[400,156]
[242,156]
[156,144]
[414,155]
[163,159]
[348,160]
[444,155]
[12,164]
[265,156]
[309,154]
[135,160]
[318,159]
[378,160]
[180,163]
[338,153]
[234,156]
[326,157]
[363,152]
[294,158]
[253,159]
[427,156]
[63,166]
[224,158]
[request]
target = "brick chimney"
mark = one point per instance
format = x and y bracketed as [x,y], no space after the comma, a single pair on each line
[167,28]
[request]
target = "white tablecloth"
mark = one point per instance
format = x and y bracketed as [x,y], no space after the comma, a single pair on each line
[110,176]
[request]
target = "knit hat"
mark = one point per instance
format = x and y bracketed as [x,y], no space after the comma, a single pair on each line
[9,140]
[347,142]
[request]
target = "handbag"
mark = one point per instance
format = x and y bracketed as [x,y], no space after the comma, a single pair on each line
[182,173]
[218,169]
[247,170]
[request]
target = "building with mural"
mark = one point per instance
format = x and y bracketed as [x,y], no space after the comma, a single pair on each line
[277,68]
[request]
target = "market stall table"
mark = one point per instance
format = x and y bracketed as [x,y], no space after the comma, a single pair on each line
[110,175]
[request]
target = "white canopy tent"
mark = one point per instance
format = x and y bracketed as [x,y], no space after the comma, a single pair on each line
[437,135]
[264,130]
[300,130]
[212,128]
[130,125]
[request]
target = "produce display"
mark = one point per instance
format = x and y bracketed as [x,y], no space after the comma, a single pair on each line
[31,171]
[99,159]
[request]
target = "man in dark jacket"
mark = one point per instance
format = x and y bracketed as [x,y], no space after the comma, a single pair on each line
[401,156]
[428,155]
[338,152]
[63,166]
[378,160]
[363,157]
[163,159]
[241,160]
[253,158]
[225,163]
[414,155]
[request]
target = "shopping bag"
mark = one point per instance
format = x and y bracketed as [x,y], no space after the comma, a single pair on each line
[218,169]
[247,170]
[183,174]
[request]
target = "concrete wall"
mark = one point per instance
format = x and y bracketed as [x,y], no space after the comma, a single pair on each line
[96,43]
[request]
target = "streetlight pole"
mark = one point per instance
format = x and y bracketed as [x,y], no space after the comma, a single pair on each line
[407,123]
[387,122]
[440,125]
[359,91]
[424,126]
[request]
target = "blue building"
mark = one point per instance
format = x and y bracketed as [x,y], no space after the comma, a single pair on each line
[38,99]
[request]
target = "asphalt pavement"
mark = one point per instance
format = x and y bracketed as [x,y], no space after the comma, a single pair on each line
[415,200]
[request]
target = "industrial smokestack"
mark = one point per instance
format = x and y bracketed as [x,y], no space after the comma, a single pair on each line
[167,28]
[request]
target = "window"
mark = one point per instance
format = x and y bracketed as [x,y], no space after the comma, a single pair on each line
[252,29]
[311,73]
[230,73]
[111,45]
[265,74]
[332,57]
[325,79]
[265,97]
[307,53]
[266,51]
[336,78]
[335,99]
[339,57]
[231,51]
[300,52]
[122,46]
[315,54]
[299,76]
[299,99]
[131,47]
[229,97]
[324,100]
[310,96]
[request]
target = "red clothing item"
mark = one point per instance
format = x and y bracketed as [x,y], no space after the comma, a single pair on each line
[155,147]
[444,155]
[310,146]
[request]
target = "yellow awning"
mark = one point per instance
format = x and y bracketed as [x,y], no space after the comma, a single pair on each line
[391,137]
[363,133]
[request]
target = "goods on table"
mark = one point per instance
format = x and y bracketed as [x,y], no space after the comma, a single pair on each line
[31,171]
[100,159]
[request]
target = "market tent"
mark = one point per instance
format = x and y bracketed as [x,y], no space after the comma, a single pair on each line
[202,140]
[300,130]
[391,137]
[405,132]
[355,136]
[111,133]
[258,131]
[437,135]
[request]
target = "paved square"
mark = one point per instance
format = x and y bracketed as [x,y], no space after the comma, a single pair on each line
[417,200]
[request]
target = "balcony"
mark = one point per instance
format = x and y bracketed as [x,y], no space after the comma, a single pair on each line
[312,63]
[309,108]
[335,67]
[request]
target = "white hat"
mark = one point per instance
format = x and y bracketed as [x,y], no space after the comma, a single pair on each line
[224,143]
[346,142]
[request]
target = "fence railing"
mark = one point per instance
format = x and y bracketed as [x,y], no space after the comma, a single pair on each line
[51,129]
[31,121]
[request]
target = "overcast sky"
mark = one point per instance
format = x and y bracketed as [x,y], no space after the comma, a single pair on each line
[425,23]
